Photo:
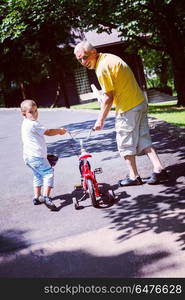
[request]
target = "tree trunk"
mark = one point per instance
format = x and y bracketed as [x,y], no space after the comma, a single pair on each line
[163,75]
[173,38]
[179,81]
[63,90]
[23,92]
[56,96]
[178,63]
[31,91]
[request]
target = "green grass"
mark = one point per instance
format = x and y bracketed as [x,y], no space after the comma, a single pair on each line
[166,111]
[91,105]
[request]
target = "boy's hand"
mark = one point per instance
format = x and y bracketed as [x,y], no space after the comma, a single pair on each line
[62,131]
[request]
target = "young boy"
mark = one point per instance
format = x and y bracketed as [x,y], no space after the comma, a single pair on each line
[35,152]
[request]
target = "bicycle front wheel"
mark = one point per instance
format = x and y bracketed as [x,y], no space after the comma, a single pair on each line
[91,192]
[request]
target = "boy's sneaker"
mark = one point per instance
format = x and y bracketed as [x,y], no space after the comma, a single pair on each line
[157,178]
[128,181]
[37,201]
[49,203]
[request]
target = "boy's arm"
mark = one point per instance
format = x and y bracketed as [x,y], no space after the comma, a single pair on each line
[56,131]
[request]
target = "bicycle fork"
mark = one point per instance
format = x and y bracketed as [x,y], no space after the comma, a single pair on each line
[86,174]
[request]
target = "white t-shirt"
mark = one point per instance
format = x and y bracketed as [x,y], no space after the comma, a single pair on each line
[34,143]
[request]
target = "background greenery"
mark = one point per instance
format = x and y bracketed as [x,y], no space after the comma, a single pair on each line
[35,36]
[167,111]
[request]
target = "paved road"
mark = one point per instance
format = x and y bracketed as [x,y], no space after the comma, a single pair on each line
[141,235]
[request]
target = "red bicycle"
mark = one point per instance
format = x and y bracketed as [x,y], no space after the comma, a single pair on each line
[89,184]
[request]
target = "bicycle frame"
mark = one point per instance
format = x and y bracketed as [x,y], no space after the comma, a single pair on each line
[86,173]
[89,184]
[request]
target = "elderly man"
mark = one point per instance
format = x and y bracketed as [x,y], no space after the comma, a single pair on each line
[120,88]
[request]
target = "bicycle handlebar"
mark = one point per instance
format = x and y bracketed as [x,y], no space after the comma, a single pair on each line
[73,134]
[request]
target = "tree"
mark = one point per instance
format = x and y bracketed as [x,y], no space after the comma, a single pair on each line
[158,69]
[35,27]
[30,33]
[155,24]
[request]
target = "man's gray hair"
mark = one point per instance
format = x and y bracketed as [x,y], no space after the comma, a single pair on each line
[85,45]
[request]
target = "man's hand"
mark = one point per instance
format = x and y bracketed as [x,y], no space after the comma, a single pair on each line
[105,108]
[98,125]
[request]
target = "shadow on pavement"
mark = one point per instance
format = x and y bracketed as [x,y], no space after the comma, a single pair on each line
[12,239]
[96,143]
[161,212]
[158,212]
[79,264]
[66,199]
[106,141]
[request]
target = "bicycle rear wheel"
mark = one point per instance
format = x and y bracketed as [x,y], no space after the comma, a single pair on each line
[92,193]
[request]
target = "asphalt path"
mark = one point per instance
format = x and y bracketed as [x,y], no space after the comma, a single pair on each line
[22,223]
[137,210]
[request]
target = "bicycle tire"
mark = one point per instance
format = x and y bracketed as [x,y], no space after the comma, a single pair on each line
[91,192]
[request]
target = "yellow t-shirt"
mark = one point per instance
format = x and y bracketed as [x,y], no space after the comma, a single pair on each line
[115,75]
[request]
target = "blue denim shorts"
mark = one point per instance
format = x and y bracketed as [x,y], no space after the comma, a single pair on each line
[43,173]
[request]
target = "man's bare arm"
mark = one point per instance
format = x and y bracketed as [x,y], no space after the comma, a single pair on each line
[106,105]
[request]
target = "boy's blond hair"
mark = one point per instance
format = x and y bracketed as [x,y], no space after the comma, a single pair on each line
[26,104]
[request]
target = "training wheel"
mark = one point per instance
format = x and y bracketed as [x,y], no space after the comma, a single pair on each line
[75,202]
[110,195]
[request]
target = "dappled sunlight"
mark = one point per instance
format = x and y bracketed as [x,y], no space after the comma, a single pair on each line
[162,212]
[96,143]
[142,234]
[96,254]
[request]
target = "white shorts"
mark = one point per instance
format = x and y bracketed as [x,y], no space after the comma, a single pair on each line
[132,131]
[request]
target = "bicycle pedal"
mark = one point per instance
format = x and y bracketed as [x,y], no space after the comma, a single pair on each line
[98,171]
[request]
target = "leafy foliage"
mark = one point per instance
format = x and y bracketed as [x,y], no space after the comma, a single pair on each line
[149,24]
[31,31]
